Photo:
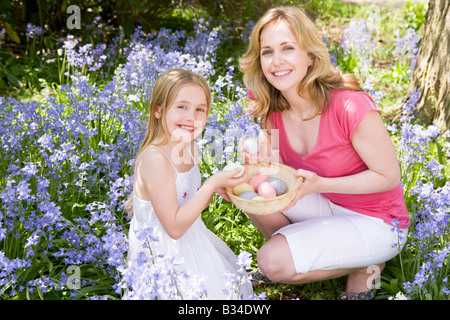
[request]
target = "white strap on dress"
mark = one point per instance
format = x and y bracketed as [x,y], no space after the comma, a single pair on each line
[168,158]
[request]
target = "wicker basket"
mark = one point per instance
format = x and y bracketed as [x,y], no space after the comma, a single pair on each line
[268,206]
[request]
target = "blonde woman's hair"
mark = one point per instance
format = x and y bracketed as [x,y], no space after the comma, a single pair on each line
[164,93]
[320,78]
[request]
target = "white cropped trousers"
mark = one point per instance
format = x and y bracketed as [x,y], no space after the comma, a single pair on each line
[324,236]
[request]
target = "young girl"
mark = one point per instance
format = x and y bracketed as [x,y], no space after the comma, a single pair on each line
[167,191]
[331,132]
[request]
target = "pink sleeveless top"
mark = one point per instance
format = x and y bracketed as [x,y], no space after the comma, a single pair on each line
[334,156]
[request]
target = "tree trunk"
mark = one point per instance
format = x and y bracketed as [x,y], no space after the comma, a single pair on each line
[432,71]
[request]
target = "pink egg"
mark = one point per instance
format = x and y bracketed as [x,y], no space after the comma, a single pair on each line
[256,180]
[266,190]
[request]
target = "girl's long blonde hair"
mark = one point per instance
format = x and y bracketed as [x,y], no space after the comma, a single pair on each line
[164,93]
[318,81]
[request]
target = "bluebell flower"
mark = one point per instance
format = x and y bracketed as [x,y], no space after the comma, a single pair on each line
[2,232]
[33,31]
[396,230]
[376,95]
[406,47]
[23,190]
[358,40]
[147,234]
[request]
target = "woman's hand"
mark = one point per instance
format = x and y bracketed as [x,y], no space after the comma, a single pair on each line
[265,151]
[311,184]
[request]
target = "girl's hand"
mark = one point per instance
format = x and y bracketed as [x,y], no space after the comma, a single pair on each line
[225,179]
[221,192]
[310,185]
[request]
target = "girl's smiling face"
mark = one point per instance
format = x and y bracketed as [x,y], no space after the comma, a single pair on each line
[283,62]
[187,116]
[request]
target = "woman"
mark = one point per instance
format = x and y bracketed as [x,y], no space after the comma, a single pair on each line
[331,132]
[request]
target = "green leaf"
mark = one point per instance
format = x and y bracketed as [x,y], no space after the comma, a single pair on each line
[14,80]
[47,260]
[96,289]
[11,33]
[393,286]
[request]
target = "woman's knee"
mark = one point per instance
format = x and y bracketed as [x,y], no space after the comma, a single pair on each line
[275,261]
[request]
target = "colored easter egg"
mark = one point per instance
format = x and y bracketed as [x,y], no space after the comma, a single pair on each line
[257,180]
[242,188]
[251,146]
[248,195]
[278,184]
[266,190]
[233,165]
[258,198]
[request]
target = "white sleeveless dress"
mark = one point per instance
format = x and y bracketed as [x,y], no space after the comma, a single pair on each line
[203,252]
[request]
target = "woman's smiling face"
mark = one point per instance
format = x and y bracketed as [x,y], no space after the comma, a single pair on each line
[283,62]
